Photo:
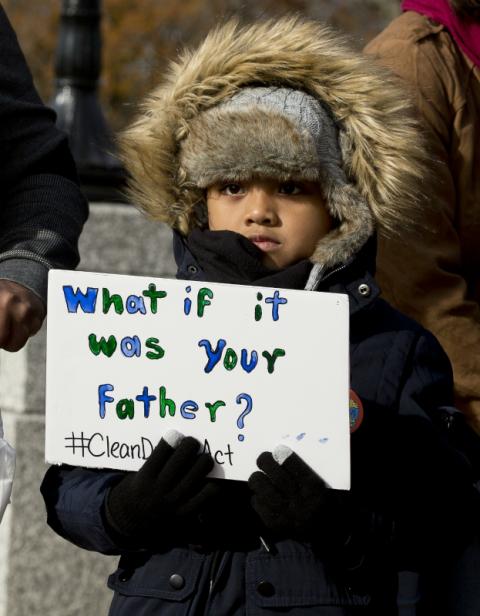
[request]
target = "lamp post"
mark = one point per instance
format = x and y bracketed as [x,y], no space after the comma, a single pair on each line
[77,72]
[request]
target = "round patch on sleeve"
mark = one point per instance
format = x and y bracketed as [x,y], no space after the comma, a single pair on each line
[356,411]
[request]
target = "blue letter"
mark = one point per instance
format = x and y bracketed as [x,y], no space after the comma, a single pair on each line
[187,302]
[188,409]
[146,399]
[253,361]
[102,398]
[131,346]
[135,304]
[213,355]
[275,300]
[86,300]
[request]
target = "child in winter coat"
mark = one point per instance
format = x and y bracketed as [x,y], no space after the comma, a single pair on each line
[274,152]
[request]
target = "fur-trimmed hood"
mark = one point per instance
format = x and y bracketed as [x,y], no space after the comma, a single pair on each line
[381,145]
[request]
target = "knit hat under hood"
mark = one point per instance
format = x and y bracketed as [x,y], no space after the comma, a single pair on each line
[281,99]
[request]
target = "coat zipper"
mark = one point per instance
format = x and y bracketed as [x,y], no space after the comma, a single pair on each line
[329,274]
[217,557]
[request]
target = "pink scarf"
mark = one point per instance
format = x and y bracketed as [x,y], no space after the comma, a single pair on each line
[466,33]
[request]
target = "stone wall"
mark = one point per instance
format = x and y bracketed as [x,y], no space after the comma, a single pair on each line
[40,573]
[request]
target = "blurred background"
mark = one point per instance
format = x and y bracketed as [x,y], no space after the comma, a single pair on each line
[140,36]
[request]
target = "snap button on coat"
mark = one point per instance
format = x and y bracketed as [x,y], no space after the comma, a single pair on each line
[125,575]
[265,589]
[364,289]
[176,581]
[192,269]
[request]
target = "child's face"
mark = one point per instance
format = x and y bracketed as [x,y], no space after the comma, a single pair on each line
[284,219]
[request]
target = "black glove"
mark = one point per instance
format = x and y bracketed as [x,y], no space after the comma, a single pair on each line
[170,485]
[293,501]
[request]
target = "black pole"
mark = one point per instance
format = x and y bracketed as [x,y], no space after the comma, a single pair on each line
[77,71]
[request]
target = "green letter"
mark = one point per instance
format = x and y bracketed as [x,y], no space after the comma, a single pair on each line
[166,402]
[107,347]
[125,408]
[108,300]
[201,301]
[154,295]
[213,409]
[271,359]
[158,352]
[230,359]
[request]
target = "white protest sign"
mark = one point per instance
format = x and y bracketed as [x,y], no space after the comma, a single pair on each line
[241,368]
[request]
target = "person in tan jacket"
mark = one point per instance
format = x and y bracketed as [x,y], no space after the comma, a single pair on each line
[433,272]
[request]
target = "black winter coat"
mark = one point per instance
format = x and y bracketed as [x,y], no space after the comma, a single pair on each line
[411,486]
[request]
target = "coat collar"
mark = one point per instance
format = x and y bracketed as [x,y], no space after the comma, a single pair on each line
[354,278]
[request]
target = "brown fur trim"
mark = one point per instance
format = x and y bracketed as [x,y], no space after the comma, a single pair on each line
[382,146]
[356,226]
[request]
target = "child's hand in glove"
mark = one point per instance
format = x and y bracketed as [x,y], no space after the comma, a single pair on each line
[171,484]
[292,500]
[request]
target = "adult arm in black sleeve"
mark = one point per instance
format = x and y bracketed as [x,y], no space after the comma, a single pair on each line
[42,210]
